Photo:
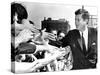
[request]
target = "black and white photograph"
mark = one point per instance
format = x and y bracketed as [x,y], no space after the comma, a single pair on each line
[50,37]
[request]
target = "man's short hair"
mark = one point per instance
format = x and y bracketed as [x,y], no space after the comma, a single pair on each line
[85,13]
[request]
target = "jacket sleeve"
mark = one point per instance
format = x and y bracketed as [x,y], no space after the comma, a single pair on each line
[67,40]
[26,48]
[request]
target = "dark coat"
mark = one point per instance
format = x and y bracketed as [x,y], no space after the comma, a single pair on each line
[81,60]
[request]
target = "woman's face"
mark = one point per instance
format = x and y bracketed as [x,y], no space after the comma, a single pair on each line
[61,36]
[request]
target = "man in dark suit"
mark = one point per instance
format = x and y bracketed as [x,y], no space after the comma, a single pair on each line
[82,41]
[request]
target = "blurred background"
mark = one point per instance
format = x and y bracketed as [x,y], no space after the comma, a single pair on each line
[39,12]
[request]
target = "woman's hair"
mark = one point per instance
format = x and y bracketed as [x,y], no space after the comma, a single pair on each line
[20,10]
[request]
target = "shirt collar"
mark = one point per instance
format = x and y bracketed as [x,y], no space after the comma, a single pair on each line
[84,32]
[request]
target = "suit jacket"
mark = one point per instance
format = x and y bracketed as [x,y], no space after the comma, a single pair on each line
[81,60]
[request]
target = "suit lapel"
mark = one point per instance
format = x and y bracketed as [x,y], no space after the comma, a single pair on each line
[79,41]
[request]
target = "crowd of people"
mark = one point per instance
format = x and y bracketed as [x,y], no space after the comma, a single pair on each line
[35,50]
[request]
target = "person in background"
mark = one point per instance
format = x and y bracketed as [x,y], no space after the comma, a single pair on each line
[55,33]
[60,35]
[82,42]
[64,63]
[54,43]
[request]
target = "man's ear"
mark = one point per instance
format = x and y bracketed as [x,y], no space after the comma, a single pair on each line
[86,20]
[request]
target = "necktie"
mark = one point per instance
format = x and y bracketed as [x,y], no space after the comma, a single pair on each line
[83,45]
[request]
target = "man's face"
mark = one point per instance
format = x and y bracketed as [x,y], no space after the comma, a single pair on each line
[80,22]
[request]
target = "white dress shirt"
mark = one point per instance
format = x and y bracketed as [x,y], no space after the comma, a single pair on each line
[85,35]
